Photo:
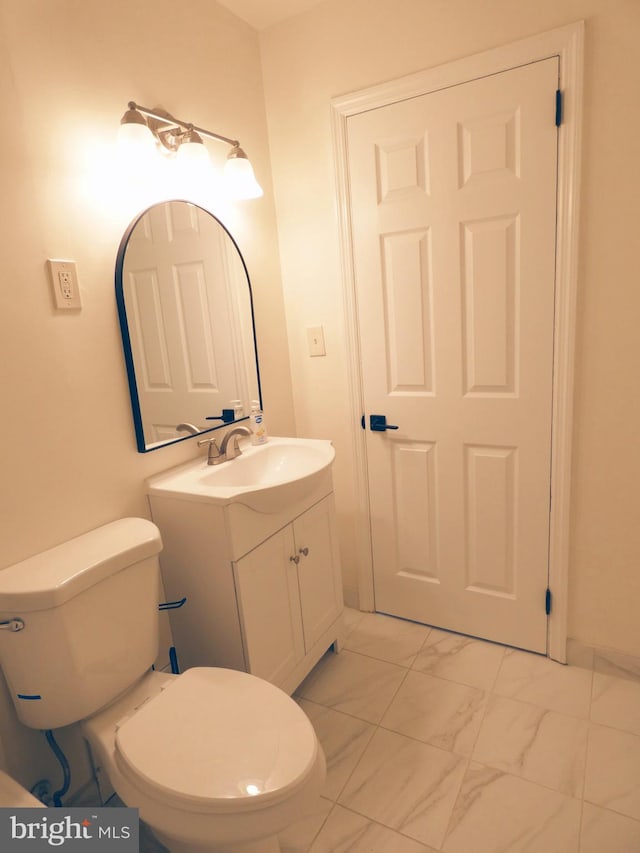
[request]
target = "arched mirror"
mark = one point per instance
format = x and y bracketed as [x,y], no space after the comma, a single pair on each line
[186,316]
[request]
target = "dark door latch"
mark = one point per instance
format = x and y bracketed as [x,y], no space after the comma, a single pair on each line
[378,423]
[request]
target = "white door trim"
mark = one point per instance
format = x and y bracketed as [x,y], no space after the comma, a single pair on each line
[567,44]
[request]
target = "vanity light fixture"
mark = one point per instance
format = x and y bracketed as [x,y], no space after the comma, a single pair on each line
[142,129]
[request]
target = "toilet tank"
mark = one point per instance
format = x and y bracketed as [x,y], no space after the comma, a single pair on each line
[90,614]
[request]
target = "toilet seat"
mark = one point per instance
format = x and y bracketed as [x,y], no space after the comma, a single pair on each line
[217,740]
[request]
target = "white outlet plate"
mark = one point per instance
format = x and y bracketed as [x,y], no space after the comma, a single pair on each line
[64,282]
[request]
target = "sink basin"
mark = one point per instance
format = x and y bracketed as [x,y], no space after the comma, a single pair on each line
[265,477]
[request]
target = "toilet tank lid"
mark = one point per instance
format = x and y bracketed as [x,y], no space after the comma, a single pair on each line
[49,579]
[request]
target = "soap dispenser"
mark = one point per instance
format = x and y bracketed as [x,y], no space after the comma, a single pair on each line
[258,426]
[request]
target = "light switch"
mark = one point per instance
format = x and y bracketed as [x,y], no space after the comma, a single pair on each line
[315,340]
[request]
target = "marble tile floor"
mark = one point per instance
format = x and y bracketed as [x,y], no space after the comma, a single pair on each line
[438,742]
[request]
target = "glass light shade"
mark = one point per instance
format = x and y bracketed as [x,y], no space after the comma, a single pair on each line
[239,178]
[136,151]
[192,156]
[135,140]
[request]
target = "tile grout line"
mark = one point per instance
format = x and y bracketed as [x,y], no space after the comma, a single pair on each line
[586,764]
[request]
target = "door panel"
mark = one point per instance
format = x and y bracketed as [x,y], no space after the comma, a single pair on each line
[453,199]
[489,291]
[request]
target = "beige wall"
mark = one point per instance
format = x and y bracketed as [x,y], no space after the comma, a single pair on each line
[344,45]
[67,70]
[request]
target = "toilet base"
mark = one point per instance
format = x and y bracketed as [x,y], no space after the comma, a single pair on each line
[265,845]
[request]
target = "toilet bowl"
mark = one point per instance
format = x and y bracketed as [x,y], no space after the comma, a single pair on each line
[13,795]
[216,760]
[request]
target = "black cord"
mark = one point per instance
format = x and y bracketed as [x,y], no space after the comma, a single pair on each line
[173,659]
[62,758]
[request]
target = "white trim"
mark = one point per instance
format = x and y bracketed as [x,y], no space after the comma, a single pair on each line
[364,556]
[567,44]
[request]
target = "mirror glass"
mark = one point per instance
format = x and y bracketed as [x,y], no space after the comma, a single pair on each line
[186,315]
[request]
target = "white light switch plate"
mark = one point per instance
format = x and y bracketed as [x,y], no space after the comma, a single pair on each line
[315,340]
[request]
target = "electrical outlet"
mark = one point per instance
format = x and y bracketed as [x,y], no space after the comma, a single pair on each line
[64,281]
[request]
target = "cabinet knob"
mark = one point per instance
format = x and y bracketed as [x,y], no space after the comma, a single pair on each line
[295,559]
[303,551]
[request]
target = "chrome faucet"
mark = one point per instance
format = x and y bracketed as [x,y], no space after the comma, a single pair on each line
[187,427]
[232,452]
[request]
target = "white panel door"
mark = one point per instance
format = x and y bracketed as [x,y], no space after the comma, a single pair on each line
[178,286]
[453,202]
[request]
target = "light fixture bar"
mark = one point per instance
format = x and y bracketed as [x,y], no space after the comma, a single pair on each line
[172,121]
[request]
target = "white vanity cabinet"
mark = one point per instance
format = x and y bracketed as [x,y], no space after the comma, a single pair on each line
[264,590]
[289,593]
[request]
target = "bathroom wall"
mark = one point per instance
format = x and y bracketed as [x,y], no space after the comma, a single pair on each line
[340,46]
[68,459]
[68,68]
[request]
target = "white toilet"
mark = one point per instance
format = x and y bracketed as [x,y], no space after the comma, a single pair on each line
[13,795]
[214,759]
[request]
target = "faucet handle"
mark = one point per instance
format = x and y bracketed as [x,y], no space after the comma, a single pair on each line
[213,454]
[206,441]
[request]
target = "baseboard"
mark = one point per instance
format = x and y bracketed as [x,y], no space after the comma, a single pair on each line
[603,660]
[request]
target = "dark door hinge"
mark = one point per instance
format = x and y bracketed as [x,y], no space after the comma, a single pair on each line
[547,602]
[558,107]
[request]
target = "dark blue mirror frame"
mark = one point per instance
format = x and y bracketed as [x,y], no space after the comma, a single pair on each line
[142,446]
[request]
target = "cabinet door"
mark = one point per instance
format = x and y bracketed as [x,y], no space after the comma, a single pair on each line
[267,589]
[316,542]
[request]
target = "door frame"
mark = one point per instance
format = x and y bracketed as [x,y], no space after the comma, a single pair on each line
[567,43]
